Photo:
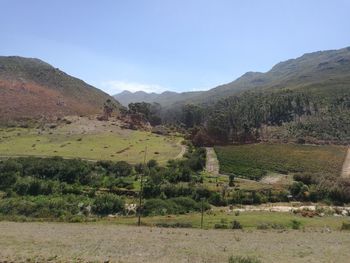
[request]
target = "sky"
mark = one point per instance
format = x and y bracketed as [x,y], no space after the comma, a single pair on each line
[178,45]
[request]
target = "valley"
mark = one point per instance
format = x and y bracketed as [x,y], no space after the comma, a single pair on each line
[264,157]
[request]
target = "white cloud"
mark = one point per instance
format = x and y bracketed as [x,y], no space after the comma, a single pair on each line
[116,86]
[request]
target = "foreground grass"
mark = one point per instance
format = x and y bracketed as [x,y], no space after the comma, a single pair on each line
[256,160]
[62,242]
[117,145]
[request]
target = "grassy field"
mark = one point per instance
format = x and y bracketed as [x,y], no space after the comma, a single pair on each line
[114,144]
[62,242]
[248,220]
[257,160]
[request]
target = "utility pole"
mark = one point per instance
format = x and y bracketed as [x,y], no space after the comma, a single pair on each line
[141,187]
[202,199]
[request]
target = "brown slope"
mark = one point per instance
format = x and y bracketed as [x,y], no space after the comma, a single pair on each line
[32,89]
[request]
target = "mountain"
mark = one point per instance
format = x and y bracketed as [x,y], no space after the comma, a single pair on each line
[306,99]
[127,97]
[309,69]
[31,88]
[320,68]
[164,99]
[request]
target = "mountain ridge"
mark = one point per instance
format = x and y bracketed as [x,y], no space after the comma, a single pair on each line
[307,69]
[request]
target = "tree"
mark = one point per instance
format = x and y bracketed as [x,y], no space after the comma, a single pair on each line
[231,180]
[9,171]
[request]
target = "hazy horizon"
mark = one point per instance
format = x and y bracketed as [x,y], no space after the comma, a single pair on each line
[157,46]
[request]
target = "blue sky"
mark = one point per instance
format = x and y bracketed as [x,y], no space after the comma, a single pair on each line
[180,45]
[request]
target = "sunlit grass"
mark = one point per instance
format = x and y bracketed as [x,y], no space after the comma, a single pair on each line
[128,146]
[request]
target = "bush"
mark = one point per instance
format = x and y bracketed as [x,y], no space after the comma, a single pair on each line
[236,225]
[174,225]
[220,226]
[108,204]
[9,172]
[158,207]
[345,226]
[217,200]
[241,259]
[264,226]
[43,206]
[122,169]
[186,204]
[177,205]
[296,224]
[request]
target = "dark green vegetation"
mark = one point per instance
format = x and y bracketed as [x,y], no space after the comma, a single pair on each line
[32,89]
[73,189]
[242,259]
[316,169]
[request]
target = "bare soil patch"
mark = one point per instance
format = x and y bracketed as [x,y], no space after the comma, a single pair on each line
[346,166]
[212,164]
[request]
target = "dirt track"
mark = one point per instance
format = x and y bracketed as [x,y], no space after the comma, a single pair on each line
[346,166]
[63,242]
[212,165]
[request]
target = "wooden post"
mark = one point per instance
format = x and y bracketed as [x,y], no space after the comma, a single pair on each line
[141,188]
[202,199]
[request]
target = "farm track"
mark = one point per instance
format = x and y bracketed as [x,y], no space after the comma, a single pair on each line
[212,164]
[183,151]
[346,166]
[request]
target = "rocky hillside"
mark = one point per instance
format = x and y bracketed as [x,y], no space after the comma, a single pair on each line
[33,89]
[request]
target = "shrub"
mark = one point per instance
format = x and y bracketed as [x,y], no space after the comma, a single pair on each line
[158,207]
[108,204]
[122,169]
[264,226]
[296,224]
[42,206]
[236,225]
[9,172]
[186,204]
[345,226]
[152,163]
[177,205]
[220,226]
[217,200]
[174,225]
[241,259]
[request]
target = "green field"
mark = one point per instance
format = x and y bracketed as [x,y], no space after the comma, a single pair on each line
[248,220]
[124,145]
[256,160]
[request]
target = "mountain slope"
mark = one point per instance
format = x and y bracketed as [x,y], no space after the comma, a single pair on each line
[166,98]
[127,97]
[309,69]
[322,68]
[31,88]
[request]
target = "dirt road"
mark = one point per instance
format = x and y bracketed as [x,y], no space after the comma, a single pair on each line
[212,165]
[346,166]
[183,151]
[64,242]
